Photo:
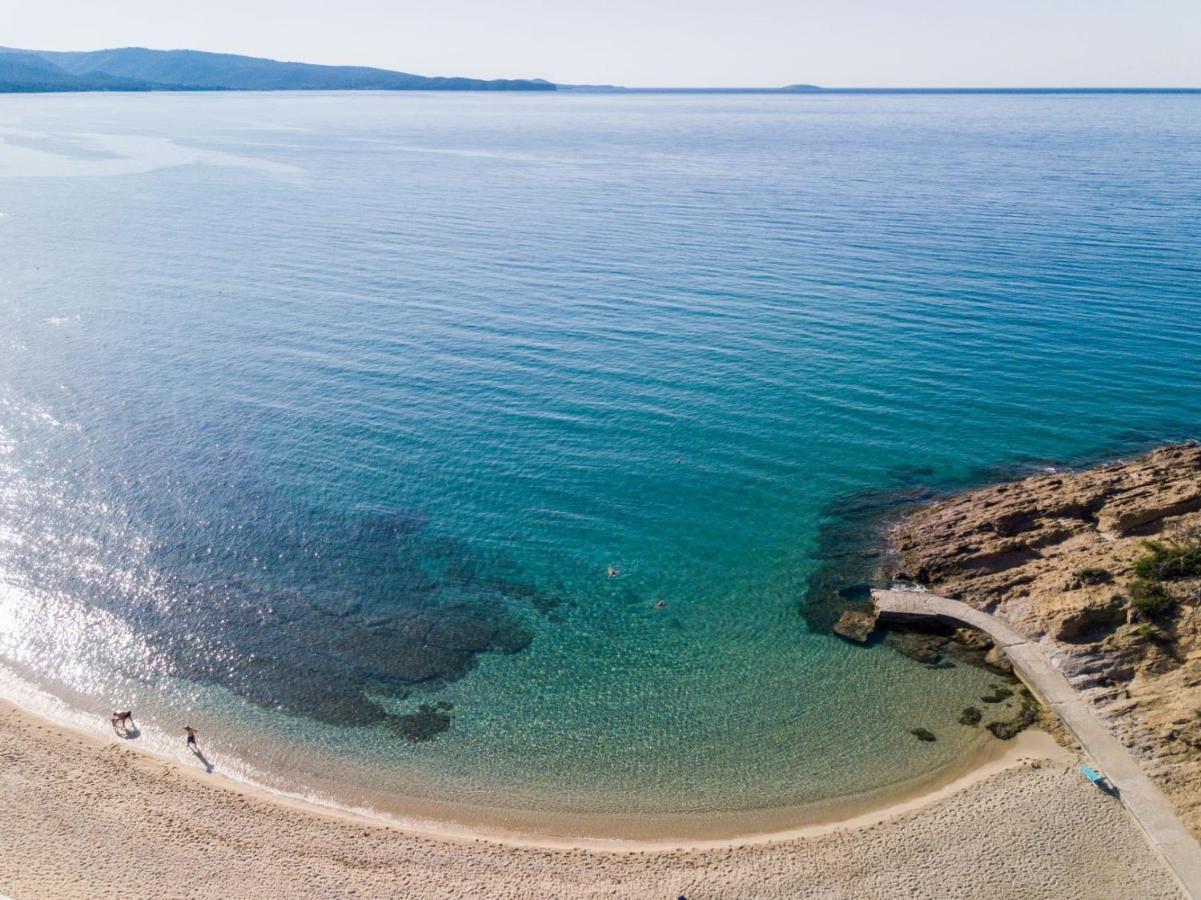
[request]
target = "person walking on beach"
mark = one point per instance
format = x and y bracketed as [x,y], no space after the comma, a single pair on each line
[195,748]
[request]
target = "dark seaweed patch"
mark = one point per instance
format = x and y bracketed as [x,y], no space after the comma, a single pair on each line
[300,612]
[426,723]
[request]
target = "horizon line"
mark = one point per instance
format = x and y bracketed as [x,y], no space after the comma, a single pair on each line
[607,86]
[818,89]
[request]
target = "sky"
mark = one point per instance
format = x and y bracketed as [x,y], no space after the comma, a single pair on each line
[687,43]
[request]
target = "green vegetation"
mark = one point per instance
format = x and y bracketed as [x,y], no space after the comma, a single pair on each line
[1163,562]
[970,716]
[1149,598]
[1093,575]
[1167,562]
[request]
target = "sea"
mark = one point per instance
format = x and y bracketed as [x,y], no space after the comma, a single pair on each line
[505,457]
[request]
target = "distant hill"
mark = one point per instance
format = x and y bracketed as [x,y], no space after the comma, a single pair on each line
[139,69]
[28,72]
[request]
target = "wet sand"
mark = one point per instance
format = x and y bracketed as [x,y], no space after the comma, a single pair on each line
[86,816]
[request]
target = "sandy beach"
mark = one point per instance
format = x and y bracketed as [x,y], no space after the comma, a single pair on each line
[90,817]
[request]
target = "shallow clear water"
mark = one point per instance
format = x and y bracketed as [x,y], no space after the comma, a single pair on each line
[318,408]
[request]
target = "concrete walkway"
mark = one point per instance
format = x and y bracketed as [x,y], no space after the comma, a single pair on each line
[1165,832]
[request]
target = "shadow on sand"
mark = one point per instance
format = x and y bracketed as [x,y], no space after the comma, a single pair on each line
[199,754]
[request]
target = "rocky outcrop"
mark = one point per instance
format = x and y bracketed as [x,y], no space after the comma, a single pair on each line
[1054,555]
[856,625]
[1091,620]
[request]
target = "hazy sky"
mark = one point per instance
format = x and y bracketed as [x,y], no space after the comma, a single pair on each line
[665,42]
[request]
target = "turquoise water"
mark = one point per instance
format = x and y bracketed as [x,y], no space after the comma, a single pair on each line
[316,409]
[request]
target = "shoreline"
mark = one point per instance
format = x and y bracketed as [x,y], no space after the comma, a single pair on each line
[90,817]
[85,807]
[625,834]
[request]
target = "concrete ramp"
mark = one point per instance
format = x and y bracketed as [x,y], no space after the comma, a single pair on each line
[1146,802]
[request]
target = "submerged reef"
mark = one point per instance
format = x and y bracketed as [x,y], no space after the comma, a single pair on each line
[425,614]
[347,624]
[429,720]
[330,666]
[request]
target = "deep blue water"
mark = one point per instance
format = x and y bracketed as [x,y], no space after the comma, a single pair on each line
[324,418]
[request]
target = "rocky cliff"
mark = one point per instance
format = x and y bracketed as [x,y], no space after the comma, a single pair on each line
[1104,566]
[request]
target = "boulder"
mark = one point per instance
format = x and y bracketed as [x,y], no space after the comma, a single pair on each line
[1025,716]
[917,645]
[856,625]
[972,639]
[996,659]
